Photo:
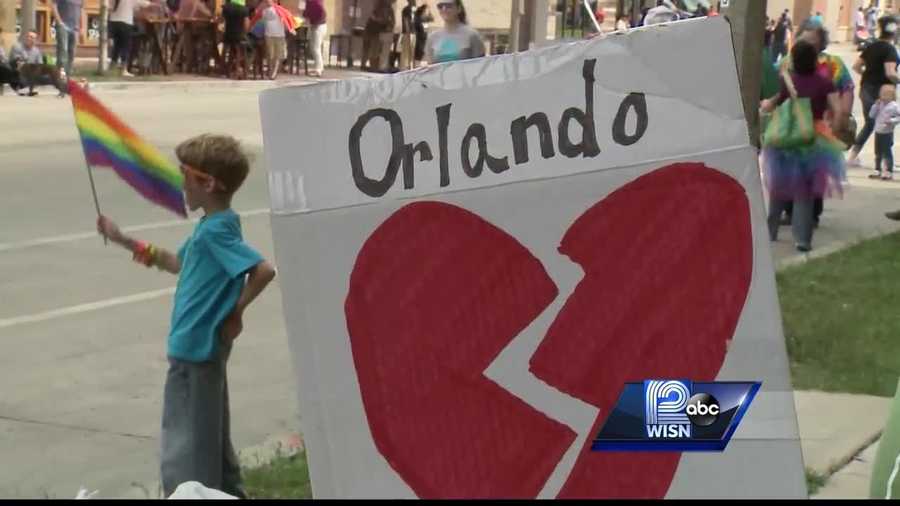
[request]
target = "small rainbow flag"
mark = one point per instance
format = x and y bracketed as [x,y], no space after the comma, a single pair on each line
[108,142]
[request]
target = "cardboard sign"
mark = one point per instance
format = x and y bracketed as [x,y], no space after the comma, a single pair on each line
[477,256]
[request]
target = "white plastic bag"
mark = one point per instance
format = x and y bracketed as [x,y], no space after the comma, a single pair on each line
[195,490]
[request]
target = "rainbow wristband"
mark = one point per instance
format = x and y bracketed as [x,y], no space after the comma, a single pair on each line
[145,254]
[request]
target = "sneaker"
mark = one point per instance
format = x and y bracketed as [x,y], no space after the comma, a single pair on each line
[893,215]
[888,177]
[804,248]
[876,175]
[126,73]
[854,162]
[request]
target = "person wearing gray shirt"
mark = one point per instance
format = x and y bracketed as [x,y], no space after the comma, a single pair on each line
[68,25]
[457,41]
[26,52]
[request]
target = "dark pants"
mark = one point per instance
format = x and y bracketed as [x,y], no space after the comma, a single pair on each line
[121,37]
[236,58]
[869,96]
[196,427]
[36,74]
[9,76]
[884,150]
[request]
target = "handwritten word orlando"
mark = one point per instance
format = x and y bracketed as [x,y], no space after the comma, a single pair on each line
[403,154]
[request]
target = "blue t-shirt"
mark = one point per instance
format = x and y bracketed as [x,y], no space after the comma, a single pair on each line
[214,260]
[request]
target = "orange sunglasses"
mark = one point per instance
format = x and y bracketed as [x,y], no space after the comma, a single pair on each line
[202,176]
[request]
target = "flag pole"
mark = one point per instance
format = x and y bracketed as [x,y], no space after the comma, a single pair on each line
[94,192]
[69,83]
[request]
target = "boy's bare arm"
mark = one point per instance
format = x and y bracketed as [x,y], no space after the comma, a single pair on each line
[164,260]
[257,281]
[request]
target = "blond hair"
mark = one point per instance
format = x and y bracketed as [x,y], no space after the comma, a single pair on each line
[220,156]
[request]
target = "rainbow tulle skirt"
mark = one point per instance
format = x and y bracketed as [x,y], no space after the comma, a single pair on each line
[807,172]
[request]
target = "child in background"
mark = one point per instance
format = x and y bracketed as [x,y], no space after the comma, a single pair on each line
[276,48]
[207,316]
[886,113]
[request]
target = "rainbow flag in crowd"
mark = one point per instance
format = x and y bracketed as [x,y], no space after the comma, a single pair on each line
[108,142]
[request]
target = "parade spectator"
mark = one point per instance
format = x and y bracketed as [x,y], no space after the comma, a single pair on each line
[316,18]
[664,12]
[68,25]
[219,276]
[188,12]
[780,36]
[407,29]
[878,66]
[599,13]
[121,29]
[804,173]
[457,40]
[276,48]
[818,19]
[28,62]
[860,32]
[831,67]
[7,74]
[622,23]
[871,18]
[886,113]
[421,20]
[237,20]
[380,22]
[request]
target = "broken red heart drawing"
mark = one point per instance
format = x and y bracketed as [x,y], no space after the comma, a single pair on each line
[437,292]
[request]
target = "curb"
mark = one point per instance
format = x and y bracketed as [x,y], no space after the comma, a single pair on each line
[189,85]
[843,462]
[847,459]
[218,83]
[801,258]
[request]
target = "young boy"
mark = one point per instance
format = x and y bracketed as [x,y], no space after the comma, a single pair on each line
[210,300]
[886,113]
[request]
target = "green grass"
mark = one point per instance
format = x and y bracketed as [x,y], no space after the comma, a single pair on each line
[283,478]
[841,319]
[814,481]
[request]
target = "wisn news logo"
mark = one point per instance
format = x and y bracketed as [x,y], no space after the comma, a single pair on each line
[676,415]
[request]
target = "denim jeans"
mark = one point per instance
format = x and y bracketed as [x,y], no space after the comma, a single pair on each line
[801,220]
[869,96]
[65,49]
[196,427]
